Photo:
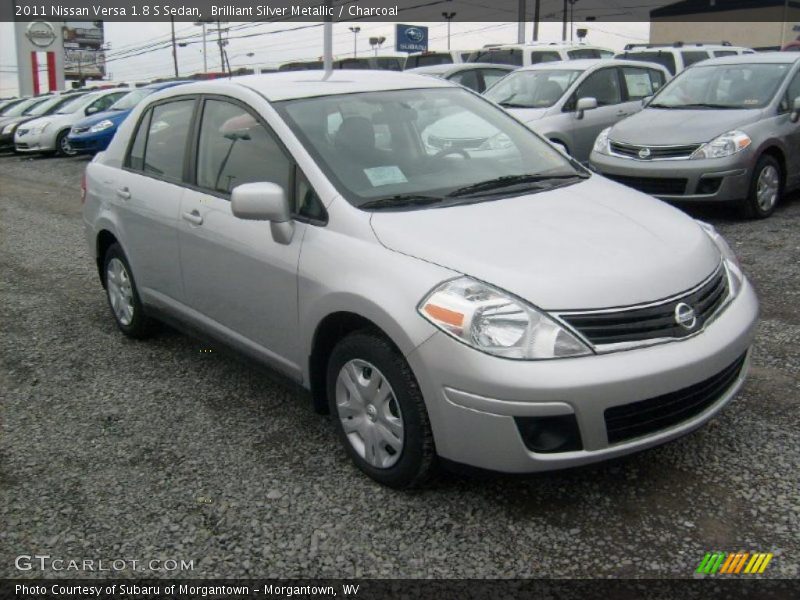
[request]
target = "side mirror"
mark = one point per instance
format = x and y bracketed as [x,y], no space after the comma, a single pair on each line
[264,201]
[91,110]
[795,114]
[584,104]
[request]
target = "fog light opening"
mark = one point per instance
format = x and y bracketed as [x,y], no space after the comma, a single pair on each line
[548,435]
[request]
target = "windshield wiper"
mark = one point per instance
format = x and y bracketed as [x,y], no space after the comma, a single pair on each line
[514,105]
[509,180]
[401,200]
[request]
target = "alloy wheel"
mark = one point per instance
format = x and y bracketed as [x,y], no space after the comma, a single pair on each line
[120,291]
[767,187]
[370,414]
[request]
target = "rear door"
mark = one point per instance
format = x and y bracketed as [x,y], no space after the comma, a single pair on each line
[603,85]
[147,192]
[235,274]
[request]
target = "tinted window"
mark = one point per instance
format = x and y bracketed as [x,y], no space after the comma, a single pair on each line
[718,53]
[665,59]
[167,132]
[689,58]
[602,85]
[641,83]
[136,156]
[543,57]
[793,91]
[467,79]
[492,76]
[499,57]
[584,53]
[234,148]
[425,60]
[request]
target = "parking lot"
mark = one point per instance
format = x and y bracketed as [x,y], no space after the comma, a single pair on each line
[173,449]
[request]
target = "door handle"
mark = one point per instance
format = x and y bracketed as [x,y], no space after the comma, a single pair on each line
[124,193]
[193,217]
[622,113]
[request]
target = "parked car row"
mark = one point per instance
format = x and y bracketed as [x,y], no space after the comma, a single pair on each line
[490,302]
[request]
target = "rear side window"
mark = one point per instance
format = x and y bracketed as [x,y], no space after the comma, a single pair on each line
[793,91]
[468,79]
[167,133]
[492,76]
[665,59]
[499,57]
[235,148]
[718,53]
[136,156]
[641,83]
[426,60]
[584,53]
[692,57]
[543,57]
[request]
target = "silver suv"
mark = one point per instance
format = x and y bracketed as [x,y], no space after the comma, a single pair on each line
[569,103]
[500,307]
[724,130]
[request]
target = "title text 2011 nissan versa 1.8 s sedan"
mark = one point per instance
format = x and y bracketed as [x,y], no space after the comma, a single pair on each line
[499,307]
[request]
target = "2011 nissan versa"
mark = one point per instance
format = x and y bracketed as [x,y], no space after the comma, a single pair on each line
[499,307]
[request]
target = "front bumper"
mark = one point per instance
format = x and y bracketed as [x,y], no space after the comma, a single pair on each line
[473,398]
[707,180]
[34,142]
[6,142]
[90,143]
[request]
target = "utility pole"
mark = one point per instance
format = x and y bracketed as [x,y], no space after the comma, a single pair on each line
[355,31]
[536,8]
[205,54]
[564,23]
[174,48]
[448,16]
[571,18]
[327,40]
[521,22]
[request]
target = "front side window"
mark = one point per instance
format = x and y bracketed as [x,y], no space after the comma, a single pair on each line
[544,57]
[492,76]
[76,103]
[665,59]
[641,83]
[603,85]
[104,102]
[161,151]
[733,86]
[128,101]
[444,144]
[793,91]
[532,89]
[468,79]
[235,148]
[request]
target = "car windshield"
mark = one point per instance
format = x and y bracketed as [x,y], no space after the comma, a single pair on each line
[415,147]
[532,89]
[728,86]
[45,107]
[128,101]
[40,105]
[19,109]
[75,103]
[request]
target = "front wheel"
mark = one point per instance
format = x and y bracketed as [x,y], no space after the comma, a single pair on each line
[63,147]
[379,411]
[765,189]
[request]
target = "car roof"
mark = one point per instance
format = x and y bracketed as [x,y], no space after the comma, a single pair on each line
[288,85]
[584,64]
[758,58]
[546,46]
[456,67]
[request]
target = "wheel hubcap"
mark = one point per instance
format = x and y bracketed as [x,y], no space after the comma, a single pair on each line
[370,413]
[120,291]
[767,187]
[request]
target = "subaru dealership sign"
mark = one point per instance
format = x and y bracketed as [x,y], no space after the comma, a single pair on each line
[411,38]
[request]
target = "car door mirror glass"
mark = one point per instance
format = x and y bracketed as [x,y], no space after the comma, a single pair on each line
[583,105]
[91,110]
[264,201]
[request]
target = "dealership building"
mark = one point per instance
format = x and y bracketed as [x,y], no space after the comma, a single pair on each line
[758,24]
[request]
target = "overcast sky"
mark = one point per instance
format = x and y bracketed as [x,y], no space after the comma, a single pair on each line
[300,44]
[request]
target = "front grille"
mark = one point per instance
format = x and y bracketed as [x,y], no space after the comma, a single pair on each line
[647,416]
[653,152]
[672,186]
[456,143]
[655,321]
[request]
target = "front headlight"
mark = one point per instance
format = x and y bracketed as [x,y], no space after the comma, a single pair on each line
[601,143]
[724,145]
[732,266]
[497,323]
[499,141]
[101,126]
[9,128]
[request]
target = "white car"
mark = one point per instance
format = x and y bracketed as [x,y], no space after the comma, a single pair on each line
[679,55]
[523,55]
[49,134]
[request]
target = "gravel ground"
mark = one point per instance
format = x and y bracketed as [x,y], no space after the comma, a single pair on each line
[115,449]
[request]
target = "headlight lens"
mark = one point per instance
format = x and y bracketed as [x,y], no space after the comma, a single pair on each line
[725,145]
[9,128]
[734,269]
[494,322]
[101,126]
[601,143]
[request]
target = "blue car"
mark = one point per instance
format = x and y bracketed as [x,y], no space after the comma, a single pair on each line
[93,134]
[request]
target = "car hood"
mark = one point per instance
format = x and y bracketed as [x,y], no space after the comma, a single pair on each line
[667,126]
[115,116]
[595,244]
[15,120]
[526,115]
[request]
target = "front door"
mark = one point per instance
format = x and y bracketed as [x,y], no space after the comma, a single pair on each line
[604,86]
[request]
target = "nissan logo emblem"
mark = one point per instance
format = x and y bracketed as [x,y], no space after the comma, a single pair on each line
[644,153]
[685,316]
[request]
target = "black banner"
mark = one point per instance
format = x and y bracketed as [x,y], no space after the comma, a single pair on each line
[402,10]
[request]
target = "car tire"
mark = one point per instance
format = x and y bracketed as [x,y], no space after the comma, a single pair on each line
[62,145]
[766,188]
[122,295]
[379,411]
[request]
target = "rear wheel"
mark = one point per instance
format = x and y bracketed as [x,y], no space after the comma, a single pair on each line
[123,297]
[765,190]
[62,145]
[379,411]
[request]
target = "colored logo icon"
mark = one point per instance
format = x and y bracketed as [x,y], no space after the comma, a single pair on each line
[734,563]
